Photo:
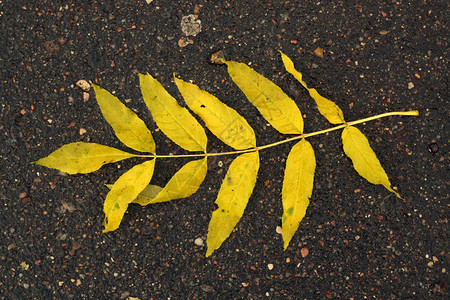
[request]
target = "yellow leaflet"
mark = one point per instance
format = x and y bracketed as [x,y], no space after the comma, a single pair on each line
[274,105]
[326,107]
[130,130]
[365,162]
[297,187]
[175,121]
[184,183]
[223,121]
[234,193]
[124,191]
[148,194]
[81,157]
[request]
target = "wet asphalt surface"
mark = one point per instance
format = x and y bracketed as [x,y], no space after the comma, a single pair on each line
[357,241]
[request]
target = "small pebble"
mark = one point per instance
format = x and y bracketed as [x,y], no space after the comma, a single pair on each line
[61,237]
[410,85]
[270,266]
[304,252]
[199,242]
[183,42]
[278,229]
[190,25]
[12,246]
[84,85]
[319,52]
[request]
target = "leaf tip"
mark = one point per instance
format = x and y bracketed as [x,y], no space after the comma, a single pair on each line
[390,189]
[287,237]
[110,225]
[93,85]
[177,80]
[106,229]
[396,194]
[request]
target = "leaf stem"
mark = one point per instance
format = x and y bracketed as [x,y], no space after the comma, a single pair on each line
[305,135]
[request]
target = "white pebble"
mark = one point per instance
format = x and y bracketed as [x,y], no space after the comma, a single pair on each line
[278,229]
[199,242]
[270,266]
[84,85]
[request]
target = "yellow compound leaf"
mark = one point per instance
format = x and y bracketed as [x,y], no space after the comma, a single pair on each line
[234,193]
[147,195]
[175,121]
[326,107]
[124,191]
[273,104]
[81,157]
[127,126]
[297,187]
[365,161]
[223,121]
[183,184]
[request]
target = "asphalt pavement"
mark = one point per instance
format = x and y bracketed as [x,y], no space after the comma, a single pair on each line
[357,240]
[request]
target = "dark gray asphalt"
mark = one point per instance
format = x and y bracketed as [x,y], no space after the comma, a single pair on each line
[362,242]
